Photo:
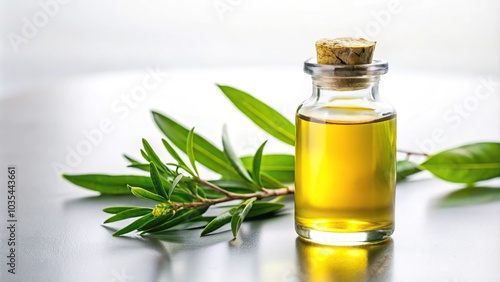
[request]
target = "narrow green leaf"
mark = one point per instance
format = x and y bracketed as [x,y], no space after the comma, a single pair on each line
[143,167]
[466,164]
[269,181]
[240,214]
[219,221]
[180,198]
[190,150]
[110,184]
[174,184]
[235,186]
[154,157]
[471,196]
[181,194]
[232,157]
[145,156]
[136,164]
[257,161]
[260,208]
[172,151]
[202,192]
[194,223]
[115,210]
[157,221]
[156,180]
[261,114]
[179,217]
[131,160]
[206,153]
[135,212]
[192,186]
[406,168]
[176,156]
[279,166]
[134,225]
[146,195]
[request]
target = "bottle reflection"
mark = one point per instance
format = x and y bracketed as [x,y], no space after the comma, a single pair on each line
[344,263]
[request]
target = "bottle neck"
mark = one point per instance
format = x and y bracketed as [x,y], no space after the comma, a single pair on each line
[332,87]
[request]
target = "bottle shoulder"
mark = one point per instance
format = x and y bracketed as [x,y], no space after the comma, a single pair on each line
[346,110]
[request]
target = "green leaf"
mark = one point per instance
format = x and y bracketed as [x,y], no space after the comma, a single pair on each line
[206,153]
[261,114]
[257,161]
[190,150]
[181,194]
[143,167]
[174,184]
[471,196]
[240,214]
[146,195]
[279,166]
[235,186]
[219,221]
[466,164]
[180,197]
[134,225]
[135,212]
[179,217]
[176,156]
[157,221]
[131,160]
[110,184]
[262,208]
[233,158]
[270,182]
[194,223]
[157,184]
[154,157]
[115,210]
[136,164]
[406,168]
[145,156]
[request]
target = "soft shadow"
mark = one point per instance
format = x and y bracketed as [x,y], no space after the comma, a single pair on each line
[470,196]
[163,262]
[344,263]
[408,181]
[103,201]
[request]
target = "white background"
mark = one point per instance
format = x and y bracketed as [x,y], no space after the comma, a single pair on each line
[440,54]
[85,36]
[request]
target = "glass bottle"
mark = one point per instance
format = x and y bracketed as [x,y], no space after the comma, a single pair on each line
[345,166]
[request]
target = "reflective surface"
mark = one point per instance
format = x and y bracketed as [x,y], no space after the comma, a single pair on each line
[344,263]
[61,237]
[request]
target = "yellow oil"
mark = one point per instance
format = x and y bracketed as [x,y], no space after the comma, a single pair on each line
[344,263]
[345,174]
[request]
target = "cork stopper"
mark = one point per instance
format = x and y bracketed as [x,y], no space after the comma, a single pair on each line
[344,51]
[341,52]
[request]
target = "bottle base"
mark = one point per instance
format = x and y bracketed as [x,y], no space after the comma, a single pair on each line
[344,238]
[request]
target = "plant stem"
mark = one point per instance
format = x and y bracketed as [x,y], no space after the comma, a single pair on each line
[234,196]
[215,187]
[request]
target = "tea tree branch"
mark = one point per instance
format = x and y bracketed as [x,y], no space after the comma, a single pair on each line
[181,196]
[216,188]
[233,196]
